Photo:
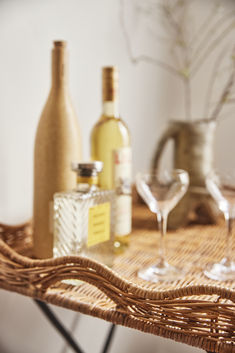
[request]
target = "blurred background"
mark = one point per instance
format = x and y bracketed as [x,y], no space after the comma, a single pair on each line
[126,33]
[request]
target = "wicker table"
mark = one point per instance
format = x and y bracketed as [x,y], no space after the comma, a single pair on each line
[194,310]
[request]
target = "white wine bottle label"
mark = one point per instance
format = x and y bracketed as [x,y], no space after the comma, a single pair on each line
[122,170]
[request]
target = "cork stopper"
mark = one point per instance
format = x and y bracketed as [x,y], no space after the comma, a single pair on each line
[60,44]
[110,83]
[59,64]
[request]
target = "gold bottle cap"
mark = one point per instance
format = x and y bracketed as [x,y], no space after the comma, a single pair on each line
[87,172]
[110,83]
[87,169]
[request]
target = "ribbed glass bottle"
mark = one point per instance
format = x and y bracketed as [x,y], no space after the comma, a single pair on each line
[84,217]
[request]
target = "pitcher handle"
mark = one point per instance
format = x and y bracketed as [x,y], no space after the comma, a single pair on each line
[169,134]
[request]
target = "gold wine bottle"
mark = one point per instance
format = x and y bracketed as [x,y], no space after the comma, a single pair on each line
[57,144]
[110,143]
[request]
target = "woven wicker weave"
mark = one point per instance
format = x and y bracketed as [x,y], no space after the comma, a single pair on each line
[194,310]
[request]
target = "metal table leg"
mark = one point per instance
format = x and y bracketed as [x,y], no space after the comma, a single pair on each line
[69,339]
[109,339]
[57,324]
[65,333]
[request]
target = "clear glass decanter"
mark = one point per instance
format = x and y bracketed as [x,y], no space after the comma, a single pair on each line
[84,217]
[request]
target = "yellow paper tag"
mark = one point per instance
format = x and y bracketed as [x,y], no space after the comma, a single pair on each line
[98,224]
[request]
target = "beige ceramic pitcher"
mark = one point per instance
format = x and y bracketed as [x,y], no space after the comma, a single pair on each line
[193,152]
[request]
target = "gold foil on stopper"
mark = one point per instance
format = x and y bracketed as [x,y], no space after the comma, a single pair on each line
[110,83]
[92,180]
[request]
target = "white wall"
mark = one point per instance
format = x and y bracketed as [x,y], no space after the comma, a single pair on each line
[148,97]
[95,39]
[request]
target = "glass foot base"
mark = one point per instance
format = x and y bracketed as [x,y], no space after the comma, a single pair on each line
[222,271]
[161,272]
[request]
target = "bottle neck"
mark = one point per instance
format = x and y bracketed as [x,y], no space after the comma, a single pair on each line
[110,94]
[111,108]
[87,184]
[59,68]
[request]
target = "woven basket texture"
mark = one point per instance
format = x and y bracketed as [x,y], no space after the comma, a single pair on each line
[194,310]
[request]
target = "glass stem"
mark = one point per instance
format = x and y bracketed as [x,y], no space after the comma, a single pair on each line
[162,225]
[228,250]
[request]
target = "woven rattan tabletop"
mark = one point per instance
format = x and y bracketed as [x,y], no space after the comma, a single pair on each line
[194,310]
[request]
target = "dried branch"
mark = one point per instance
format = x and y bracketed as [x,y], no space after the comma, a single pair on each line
[225,93]
[179,42]
[212,81]
[156,62]
[187,86]
[206,24]
[227,115]
[174,43]
[175,25]
[189,54]
[211,32]
[230,100]
[213,45]
[175,56]
[145,58]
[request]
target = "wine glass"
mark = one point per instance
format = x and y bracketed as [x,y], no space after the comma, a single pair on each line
[222,188]
[161,192]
